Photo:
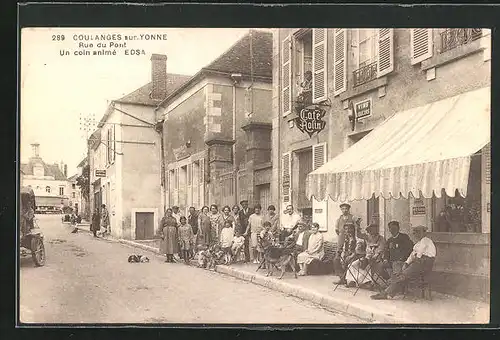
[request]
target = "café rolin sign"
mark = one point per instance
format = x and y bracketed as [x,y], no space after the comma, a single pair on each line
[310,120]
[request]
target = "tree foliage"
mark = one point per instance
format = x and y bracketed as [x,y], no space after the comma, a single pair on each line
[83,182]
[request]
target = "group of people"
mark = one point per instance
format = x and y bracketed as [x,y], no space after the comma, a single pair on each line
[100,222]
[365,259]
[237,229]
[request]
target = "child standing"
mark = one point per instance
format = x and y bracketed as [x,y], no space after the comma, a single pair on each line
[186,237]
[226,240]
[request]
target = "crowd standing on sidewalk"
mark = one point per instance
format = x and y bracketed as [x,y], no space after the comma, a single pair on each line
[364,258]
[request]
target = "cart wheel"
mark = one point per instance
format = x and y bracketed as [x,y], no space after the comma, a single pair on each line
[38,251]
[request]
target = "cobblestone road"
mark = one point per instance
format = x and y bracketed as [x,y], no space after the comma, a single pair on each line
[87,280]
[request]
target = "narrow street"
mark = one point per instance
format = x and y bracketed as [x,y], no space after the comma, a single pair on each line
[87,280]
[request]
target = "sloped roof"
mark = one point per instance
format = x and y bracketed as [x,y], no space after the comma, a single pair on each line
[82,163]
[142,94]
[238,59]
[73,178]
[49,169]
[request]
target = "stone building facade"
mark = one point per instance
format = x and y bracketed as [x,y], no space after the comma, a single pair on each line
[217,130]
[377,73]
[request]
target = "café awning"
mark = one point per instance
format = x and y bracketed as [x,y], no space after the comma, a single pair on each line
[48,201]
[424,149]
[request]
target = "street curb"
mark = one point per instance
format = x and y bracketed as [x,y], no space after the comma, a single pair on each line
[328,302]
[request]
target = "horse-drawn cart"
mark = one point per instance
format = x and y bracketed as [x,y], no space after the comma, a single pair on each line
[31,237]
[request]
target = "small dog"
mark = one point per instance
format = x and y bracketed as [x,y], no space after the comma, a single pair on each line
[137,259]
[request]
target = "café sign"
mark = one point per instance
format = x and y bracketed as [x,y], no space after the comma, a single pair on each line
[363,108]
[310,120]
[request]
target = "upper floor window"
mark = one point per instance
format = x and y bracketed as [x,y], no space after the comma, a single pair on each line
[73,186]
[61,191]
[73,195]
[373,50]
[47,189]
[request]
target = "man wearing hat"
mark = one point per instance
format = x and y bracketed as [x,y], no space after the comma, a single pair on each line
[344,219]
[244,214]
[375,246]
[398,248]
[420,262]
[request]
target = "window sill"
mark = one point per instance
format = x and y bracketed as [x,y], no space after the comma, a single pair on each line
[452,55]
[370,86]
[461,238]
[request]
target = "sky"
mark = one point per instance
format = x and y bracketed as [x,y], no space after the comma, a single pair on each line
[57,90]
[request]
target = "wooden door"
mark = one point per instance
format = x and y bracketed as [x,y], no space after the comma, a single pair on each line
[144,225]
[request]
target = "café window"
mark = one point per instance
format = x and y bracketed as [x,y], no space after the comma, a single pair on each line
[460,214]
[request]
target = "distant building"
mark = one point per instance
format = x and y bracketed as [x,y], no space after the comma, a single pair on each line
[217,130]
[48,181]
[125,156]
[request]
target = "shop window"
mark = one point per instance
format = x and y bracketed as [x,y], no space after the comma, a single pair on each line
[372,209]
[458,214]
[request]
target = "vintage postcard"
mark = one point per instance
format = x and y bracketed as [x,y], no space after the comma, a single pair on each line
[254,176]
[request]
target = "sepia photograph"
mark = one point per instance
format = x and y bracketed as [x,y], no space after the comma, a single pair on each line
[254,176]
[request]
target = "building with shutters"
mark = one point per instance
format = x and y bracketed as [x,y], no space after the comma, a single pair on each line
[217,130]
[125,157]
[417,102]
[49,182]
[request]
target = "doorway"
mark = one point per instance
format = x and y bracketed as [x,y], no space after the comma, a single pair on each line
[264,195]
[144,225]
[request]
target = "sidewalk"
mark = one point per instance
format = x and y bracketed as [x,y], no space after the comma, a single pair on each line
[443,309]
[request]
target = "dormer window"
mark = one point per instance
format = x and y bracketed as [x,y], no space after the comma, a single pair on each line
[38,170]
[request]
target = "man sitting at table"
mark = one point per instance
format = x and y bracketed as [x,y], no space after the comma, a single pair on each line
[420,262]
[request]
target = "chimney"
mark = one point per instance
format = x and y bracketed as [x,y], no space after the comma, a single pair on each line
[66,170]
[159,76]
[35,147]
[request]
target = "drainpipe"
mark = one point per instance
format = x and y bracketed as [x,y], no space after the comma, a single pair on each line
[236,78]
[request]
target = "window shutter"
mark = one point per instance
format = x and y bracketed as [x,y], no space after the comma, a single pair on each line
[487,163]
[320,213]
[286,179]
[176,187]
[113,152]
[319,79]
[385,51]
[339,61]
[201,179]
[189,186]
[286,76]
[420,44]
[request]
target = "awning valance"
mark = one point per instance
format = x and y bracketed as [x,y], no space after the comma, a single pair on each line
[424,149]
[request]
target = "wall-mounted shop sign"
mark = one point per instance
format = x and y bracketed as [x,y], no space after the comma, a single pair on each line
[418,210]
[363,108]
[310,120]
[100,173]
[180,152]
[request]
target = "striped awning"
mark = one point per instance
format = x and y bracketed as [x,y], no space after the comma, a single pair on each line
[49,201]
[425,149]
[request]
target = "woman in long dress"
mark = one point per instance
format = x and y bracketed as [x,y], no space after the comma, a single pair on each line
[169,238]
[314,250]
[204,227]
[216,223]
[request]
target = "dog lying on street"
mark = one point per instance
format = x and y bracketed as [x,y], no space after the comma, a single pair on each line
[279,257]
[137,259]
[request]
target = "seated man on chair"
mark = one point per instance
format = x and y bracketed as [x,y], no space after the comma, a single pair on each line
[398,247]
[419,263]
[375,245]
[352,249]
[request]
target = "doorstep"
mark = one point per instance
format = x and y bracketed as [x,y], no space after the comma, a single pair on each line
[443,309]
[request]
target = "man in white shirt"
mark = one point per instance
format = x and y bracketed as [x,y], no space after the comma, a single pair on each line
[418,263]
[290,220]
